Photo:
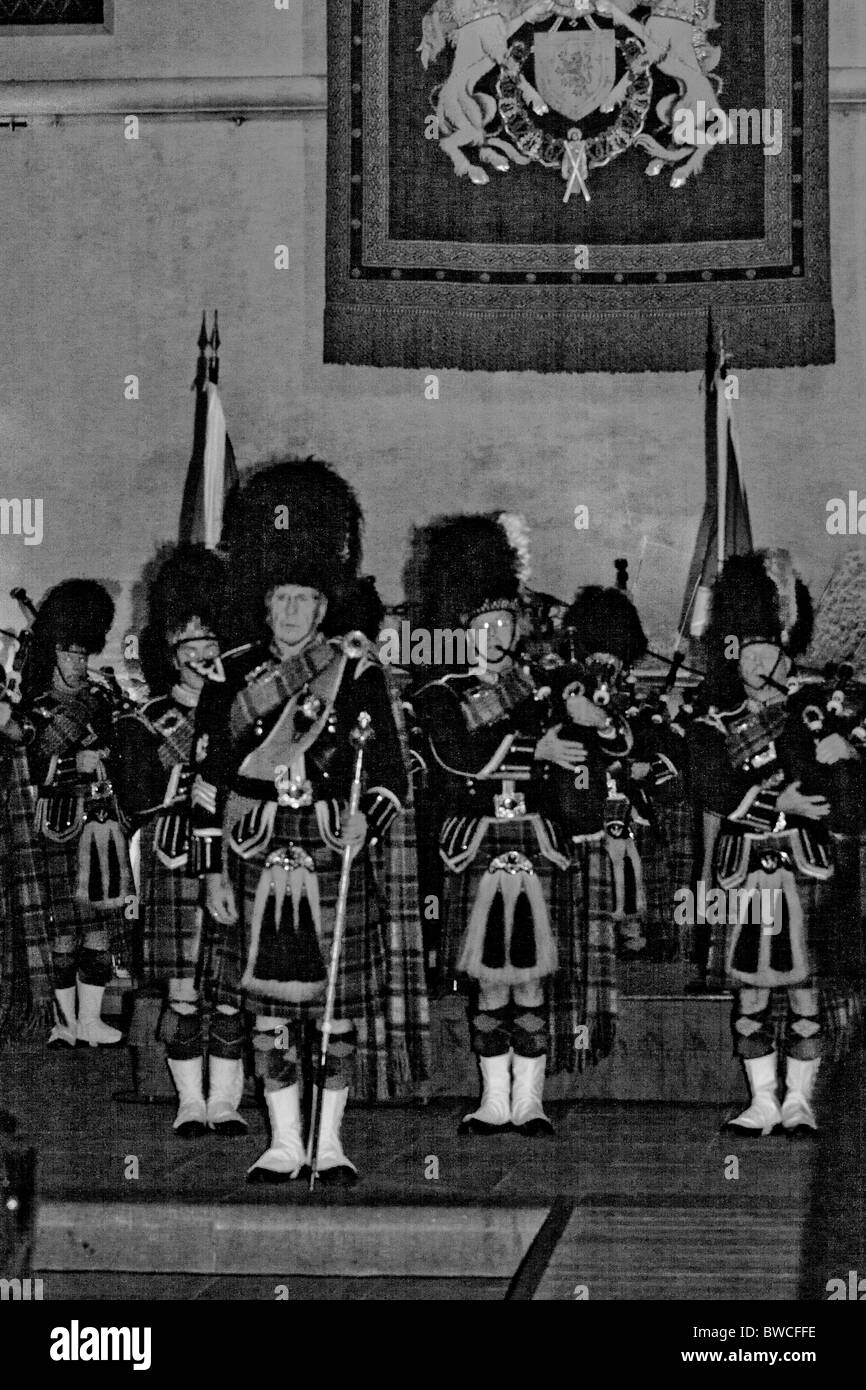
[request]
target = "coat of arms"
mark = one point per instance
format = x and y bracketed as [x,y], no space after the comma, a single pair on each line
[525,71]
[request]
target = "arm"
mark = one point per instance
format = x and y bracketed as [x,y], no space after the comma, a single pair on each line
[211,749]
[386,777]
[456,748]
[139,779]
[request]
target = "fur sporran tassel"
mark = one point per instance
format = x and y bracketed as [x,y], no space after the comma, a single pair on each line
[285,961]
[767,942]
[509,923]
[104,876]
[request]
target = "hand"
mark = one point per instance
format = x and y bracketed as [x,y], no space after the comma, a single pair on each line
[834,749]
[795,803]
[220,899]
[354,832]
[87,761]
[564,752]
[674,700]
[640,771]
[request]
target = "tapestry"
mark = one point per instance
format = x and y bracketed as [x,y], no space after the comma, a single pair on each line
[47,12]
[577,185]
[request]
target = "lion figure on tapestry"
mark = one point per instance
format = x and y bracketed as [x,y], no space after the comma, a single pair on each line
[676,39]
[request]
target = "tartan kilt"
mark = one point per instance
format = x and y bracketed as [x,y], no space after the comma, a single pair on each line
[361,993]
[172,937]
[659,884]
[68,919]
[594,960]
[677,817]
[840,993]
[394,877]
[564,993]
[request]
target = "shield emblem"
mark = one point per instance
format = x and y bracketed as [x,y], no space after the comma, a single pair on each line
[575,73]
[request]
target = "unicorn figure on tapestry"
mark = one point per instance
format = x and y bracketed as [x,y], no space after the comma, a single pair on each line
[579,67]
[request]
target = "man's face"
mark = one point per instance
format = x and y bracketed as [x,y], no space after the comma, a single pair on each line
[294,613]
[70,667]
[495,632]
[760,663]
[188,650]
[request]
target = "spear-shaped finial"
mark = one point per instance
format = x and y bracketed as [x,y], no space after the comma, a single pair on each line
[215,348]
[201,364]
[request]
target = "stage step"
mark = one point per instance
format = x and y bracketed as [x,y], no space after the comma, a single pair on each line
[479,1242]
[643,1253]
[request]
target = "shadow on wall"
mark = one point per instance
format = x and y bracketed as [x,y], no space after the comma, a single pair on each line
[834,1242]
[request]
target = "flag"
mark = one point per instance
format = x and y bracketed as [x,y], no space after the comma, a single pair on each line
[212,476]
[726,527]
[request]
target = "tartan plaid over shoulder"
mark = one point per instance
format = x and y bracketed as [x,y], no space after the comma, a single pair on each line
[25,951]
[394,864]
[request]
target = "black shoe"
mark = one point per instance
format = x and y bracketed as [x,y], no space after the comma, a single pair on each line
[191,1129]
[481,1128]
[342,1176]
[746,1131]
[802,1132]
[260,1177]
[229,1129]
[534,1129]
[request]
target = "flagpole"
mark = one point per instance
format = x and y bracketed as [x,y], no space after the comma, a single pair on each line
[721,456]
[215,349]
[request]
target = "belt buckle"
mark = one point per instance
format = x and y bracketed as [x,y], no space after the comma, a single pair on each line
[771,859]
[509,805]
[618,830]
[512,862]
[295,794]
[290,857]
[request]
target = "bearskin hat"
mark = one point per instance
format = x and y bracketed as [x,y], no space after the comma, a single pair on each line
[605,620]
[293,522]
[360,609]
[77,612]
[460,566]
[757,597]
[188,585]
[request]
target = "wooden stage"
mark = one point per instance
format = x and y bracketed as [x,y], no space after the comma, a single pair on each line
[632,1200]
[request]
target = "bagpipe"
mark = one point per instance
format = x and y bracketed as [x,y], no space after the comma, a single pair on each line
[836,704]
[15,656]
[839,706]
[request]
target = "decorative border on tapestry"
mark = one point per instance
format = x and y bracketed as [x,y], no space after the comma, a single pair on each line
[401,302]
[48,18]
